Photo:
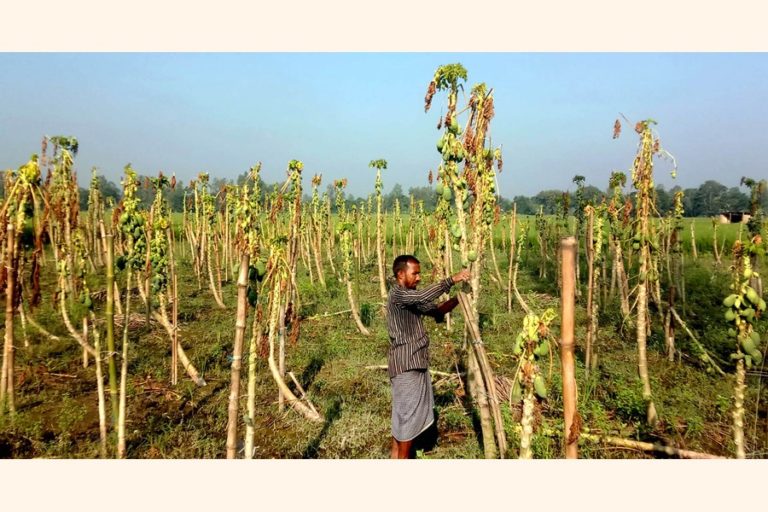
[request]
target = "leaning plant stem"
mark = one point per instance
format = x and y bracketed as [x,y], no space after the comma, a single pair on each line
[355,310]
[68,323]
[294,402]
[37,326]
[100,391]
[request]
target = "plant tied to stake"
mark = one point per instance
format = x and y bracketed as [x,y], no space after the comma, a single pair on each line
[744,307]
[532,345]
[477,180]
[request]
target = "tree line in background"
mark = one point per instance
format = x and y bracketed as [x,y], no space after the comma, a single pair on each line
[710,198]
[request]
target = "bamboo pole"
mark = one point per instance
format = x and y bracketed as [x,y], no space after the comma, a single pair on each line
[590,287]
[237,353]
[6,383]
[124,373]
[109,320]
[568,344]
[486,373]
[511,269]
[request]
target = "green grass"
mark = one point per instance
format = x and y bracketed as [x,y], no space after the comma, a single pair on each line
[57,397]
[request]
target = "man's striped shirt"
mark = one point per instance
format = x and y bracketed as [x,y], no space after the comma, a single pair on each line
[408,341]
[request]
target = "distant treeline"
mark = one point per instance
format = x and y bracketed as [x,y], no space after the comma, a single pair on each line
[709,199]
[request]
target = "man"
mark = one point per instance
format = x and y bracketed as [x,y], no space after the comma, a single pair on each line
[408,359]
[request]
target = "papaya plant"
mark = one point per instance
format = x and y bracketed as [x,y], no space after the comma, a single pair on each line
[532,345]
[345,227]
[743,309]
[477,180]
[380,165]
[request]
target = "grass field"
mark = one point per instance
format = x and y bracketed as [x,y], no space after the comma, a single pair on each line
[340,371]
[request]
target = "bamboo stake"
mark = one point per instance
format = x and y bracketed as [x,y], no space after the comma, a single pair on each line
[486,373]
[568,344]
[6,381]
[512,266]
[590,288]
[124,373]
[237,352]
[109,320]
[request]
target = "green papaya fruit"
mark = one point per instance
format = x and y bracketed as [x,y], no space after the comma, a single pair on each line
[447,193]
[730,315]
[752,296]
[748,313]
[761,305]
[517,348]
[755,337]
[729,300]
[472,256]
[439,189]
[542,349]
[454,126]
[756,356]
[540,386]
[748,345]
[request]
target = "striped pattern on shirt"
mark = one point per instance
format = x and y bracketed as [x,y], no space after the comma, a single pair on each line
[408,341]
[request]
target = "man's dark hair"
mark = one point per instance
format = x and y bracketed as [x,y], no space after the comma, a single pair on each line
[401,263]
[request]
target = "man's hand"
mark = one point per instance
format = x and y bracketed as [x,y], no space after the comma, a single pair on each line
[464,275]
[447,306]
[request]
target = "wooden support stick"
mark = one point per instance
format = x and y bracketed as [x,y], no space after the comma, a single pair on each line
[568,344]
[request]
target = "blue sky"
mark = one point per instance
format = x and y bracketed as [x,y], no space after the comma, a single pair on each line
[221,113]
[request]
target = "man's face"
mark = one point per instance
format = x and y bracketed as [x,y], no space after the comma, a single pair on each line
[411,276]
